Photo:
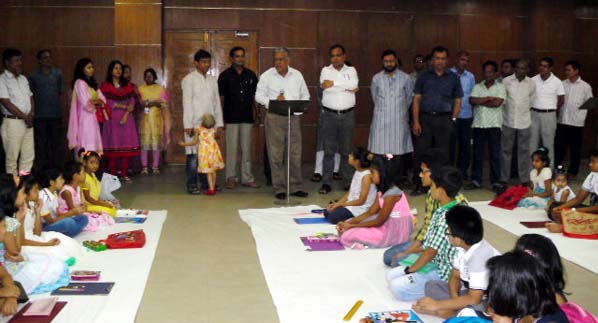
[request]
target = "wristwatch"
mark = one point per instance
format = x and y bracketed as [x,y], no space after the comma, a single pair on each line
[407,271]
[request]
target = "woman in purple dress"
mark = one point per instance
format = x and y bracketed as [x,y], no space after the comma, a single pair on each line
[119,134]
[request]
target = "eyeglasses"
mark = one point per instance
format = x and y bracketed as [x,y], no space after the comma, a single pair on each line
[424,171]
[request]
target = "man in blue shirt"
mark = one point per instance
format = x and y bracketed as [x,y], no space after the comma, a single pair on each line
[47,85]
[462,136]
[436,106]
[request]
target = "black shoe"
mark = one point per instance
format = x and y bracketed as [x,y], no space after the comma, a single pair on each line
[194,191]
[417,191]
[473,186]
[336,176]
[316,177]
[325,189]
[281,196]
[301,194]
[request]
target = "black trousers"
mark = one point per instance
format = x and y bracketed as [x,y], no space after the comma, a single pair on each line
[437,131]
[570,137]
[49,143]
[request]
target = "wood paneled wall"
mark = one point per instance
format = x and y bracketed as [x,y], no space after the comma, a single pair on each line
[131,30]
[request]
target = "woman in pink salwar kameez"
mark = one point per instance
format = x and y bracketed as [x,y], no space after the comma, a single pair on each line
[84,129]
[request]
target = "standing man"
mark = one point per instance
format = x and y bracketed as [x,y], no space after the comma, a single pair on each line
[392,92]
[16,101]
[517,122]
[419,65]
[237,86]
[550,96]
[462,137]
[47,85]
[488,97]
[436,106]
[569,131]
[283,82]
[200,96]
[507,68]
[339,83]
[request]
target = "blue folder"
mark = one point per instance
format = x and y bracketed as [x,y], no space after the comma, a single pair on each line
[310,220]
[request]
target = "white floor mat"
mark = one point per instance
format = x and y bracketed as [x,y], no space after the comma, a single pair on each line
[579,251]
[317,286]
[128,268]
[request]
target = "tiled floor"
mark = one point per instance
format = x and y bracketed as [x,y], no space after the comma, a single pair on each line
[206,267]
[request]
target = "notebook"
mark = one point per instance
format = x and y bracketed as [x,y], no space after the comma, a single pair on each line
[19,318]
[404,316]
[322,245]
[84,289]
[534,224]
[311,221]
[125,219]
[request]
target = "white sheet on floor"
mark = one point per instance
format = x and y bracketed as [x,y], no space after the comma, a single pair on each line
[317,286]
[579,251]
[128,268]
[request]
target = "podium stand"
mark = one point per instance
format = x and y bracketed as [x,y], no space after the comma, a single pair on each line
[288,108]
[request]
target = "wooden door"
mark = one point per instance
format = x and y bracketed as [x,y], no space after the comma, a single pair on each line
[180,47]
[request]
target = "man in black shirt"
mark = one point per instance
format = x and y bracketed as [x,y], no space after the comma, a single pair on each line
[237,86]
[436,106]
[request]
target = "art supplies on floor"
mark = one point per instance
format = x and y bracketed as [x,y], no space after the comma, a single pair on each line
[126,219]
[20,317]
[80,288]
[126,240]
[315,243]
[402,316]
[131,213]
[311,221]
[534,224]
[85,275]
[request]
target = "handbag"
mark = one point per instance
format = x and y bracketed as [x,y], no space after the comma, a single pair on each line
[126,240]
[580,225]
[509,199]
[103,114]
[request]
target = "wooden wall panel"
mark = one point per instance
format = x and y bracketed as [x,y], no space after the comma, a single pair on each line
[432,30]
[138,23]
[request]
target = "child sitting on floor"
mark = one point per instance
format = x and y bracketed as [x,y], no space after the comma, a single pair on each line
[70,197]
[520,290]
[469,278]
[208,153]
[92,188]
[407,283]
[386,223]
[361,194]
[70,223]
[561,193]
[31,236]
[588,188]
[37,273]
[546,253]
[540,186]
[431,159]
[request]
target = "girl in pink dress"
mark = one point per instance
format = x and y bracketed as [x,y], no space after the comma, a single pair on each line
[388,222]
[87,101]
[70,198]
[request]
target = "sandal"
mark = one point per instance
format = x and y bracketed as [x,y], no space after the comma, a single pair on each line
[325,189]
[127,179]
[156,171]
[144,171]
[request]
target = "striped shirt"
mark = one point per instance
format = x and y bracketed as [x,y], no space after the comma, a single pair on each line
[392,95]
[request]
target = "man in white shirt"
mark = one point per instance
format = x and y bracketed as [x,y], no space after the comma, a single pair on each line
[339,83]
[200,96]
[517,122]
[282,82]
[571,120]
[550,96]
[16,102]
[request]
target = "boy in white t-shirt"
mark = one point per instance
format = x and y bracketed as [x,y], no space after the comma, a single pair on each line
[469,279]
[588,188]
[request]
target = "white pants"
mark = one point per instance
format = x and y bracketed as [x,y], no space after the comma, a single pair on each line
[18,144]
[320,160]
[543,130]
